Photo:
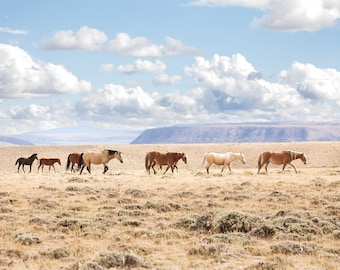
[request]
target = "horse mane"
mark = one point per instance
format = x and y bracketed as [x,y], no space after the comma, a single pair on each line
[293,154]
[112,152]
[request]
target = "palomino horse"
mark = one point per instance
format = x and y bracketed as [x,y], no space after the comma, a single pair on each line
[48,162]
[170,159]
[284,157]
[86,159]
[74,159]
[222,159]
[26,161]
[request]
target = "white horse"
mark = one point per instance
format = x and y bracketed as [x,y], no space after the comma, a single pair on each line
[222,159]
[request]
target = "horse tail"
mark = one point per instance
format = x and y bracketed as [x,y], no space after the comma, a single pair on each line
[80,162]
[259,161]
[147,166]
[17,161]
[68,162]
[204,158]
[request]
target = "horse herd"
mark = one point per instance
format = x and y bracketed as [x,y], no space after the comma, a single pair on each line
[169,159]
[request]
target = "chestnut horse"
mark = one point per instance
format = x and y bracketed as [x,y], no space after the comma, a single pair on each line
[48,162]
[284,157]
[222,159]
[170,159]
[26,161]
[103,157]
[74,159]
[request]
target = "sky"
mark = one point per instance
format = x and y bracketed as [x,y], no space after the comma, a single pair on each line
[139,64]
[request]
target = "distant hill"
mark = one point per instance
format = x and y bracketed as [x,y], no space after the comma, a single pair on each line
[6,140]
[79,135]
[243,132]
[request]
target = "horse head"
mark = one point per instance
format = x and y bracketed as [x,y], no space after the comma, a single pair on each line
[243,158]
[184,158]
[303,158]
[116,154]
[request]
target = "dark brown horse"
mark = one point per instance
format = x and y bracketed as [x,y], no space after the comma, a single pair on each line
[26,161]
[170,159]
[74,159]
[48,162]
[284,157]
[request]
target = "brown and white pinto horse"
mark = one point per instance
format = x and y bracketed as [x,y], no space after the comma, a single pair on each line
[72,158]
[86,159]
[48,162]
[284,157]
[170,159]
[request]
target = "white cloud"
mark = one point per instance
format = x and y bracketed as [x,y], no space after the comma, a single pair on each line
[158,67]
[143,66]
[106,68]
[23,77]
[124,45]
[228,88]
[13,31]
[165,79]
[37,117]
[300,15]
[318,85]
[84,39]
[286,15]
[240,3]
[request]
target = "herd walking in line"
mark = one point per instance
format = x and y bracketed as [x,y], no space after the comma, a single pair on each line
[78,161]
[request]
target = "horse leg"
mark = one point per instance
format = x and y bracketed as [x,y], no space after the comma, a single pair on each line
[260,164]
[167,168]
[53,167]
[223,167]
[293,167]
[152,166]
[208,166]
[229,167]
[284,165]
[267,166]
[89,168]
[82,168]
[106,168]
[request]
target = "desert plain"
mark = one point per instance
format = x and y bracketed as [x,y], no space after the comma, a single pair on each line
[128,219]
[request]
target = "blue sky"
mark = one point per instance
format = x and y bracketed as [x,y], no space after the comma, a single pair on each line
[141,64]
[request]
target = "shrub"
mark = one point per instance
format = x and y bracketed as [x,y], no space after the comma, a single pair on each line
[237,222]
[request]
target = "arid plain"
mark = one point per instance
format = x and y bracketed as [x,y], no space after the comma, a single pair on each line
[186,220]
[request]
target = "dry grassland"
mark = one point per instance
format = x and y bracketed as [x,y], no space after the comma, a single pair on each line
[186,220]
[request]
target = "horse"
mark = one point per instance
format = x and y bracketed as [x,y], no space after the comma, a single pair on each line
[284,157]
[222,159]
[170,159]
[74,159]
[48,162]
[26,161]
[103,157]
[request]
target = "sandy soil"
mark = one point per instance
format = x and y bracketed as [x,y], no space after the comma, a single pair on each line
[186,220]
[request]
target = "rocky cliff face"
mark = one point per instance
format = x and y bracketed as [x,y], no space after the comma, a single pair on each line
[219,133]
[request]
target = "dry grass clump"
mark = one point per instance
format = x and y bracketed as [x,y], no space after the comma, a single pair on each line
[116,259]
[25,238]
